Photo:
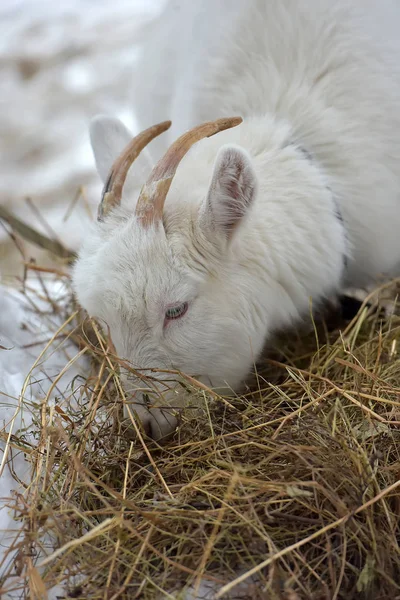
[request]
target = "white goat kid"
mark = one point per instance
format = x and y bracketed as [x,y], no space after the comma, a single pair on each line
[299,200]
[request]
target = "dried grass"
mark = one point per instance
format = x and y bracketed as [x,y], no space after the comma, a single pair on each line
[295,484]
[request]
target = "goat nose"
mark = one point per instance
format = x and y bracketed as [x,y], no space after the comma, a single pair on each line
[162,423]
[157,423]
[135,408]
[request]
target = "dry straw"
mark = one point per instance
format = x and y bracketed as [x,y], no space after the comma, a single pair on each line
[291,490]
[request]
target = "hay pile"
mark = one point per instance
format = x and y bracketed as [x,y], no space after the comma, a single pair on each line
[295,485]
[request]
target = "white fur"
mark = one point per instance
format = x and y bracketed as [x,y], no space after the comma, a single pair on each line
[252,228]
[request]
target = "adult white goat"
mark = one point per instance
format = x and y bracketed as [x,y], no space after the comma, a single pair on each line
[299,200]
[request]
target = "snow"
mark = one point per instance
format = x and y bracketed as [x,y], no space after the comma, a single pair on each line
[60,64]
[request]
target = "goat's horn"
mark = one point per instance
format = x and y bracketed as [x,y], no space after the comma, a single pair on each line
[150,204]
[112,190]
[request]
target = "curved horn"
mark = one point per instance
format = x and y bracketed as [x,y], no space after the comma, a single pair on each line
[151,201]
[112,191]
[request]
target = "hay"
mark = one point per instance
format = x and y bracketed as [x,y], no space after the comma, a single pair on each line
[295,485]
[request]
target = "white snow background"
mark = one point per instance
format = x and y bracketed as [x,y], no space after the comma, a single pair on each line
[60,64]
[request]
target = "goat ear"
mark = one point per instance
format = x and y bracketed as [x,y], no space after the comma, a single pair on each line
[108,137]
[232,190]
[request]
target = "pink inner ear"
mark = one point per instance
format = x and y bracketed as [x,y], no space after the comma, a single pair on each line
[233,183]
[232,189]
[235,199]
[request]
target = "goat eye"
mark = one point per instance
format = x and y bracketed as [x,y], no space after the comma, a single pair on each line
[176,312]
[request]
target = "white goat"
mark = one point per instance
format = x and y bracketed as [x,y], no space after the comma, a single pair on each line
[299,200]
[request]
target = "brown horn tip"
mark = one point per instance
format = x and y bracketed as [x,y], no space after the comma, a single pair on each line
[112,191]
[152,197]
